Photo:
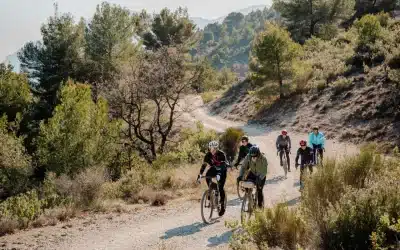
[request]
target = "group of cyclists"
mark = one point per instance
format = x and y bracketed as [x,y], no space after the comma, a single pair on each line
[255,164]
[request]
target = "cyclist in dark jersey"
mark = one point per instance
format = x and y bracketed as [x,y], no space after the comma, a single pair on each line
[306,154]
[243,150]
[216,159]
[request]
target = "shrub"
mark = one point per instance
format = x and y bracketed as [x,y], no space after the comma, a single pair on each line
[15,166]
[278,226]
[328,31]
[346,200]
[230,140]
[368,28]
[22,208]
[208,97]
[79,135]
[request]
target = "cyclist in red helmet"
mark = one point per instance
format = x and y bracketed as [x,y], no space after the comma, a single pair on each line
[306,154]
[283,143]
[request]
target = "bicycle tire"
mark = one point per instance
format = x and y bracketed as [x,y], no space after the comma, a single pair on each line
[284,163]
[246,215]
[203,203]
[238,190]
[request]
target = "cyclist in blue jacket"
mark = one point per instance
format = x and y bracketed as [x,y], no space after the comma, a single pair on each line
[316,140]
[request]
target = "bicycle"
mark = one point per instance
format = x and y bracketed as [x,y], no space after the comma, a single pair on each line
[210,199]
[284,162]
[250,197]
[309,166]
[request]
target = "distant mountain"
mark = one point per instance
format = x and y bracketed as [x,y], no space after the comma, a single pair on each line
[13,60]
[202,22]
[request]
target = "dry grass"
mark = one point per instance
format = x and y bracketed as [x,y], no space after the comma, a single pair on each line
[8,226]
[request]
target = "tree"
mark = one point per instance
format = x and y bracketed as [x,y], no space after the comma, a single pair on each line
[150,97]
[169,28]
[304,18]
[273,55]
[52,61]
[15,95]
[79,135]
[109,38]
[227,77]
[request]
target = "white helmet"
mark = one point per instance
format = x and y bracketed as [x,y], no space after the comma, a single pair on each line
[213,144]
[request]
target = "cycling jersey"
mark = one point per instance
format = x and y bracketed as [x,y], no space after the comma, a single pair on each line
[243,151]
[258,168]
[305,154]
[218,160]
[318,139]
[283,142]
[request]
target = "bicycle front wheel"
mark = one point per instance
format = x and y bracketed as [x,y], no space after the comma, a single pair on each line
[207,206]
[247,207]
[285,166]
[240,191]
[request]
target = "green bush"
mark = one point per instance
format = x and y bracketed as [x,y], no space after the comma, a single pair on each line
[346,200]
[230,140]
[208,97]
[23,208]
[276,227]
[15,167]
[79,135]
[369,29]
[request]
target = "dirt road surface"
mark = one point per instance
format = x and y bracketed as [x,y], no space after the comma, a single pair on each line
[178,225]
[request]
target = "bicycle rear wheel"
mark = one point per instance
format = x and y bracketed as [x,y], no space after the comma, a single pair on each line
[247,207]
[207,206]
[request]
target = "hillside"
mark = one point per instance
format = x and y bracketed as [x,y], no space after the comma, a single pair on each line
[352,94]
[203,22]
[227,44]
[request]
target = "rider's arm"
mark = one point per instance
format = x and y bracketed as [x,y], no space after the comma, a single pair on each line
[245,165]
[264,166]
[310,142]
[277,143]
[297,157]
[206,161]
[241,154]
[290,142]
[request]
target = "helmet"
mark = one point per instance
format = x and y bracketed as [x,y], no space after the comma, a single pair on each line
[245,138]
[254,151]
[213,144]
[284,132]
[315,128]
[303,143]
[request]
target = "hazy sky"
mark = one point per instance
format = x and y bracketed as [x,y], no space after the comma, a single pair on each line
[20,20]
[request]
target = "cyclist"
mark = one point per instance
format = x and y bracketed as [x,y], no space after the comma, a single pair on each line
[243,150]
[283,143]
[306,154]
[316,141]
[257,164]
[216,159]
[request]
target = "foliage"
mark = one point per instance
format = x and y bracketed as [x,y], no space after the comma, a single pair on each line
[278,226]
[155,84]
[273,55]
[208,97]
[51,62]
[368,28]
[306,18]
[168,28]
[346,201]
[108,43]
[15,168]
[23,207]
[228,44]
[15,95]
[79,135]
[230,140]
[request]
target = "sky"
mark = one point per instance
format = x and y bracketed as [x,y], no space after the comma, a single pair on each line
[20,20]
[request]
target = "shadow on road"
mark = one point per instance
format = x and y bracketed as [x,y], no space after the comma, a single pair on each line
[275,180]
[184,230]
[293,201]
[234,202]
[218,240]
[296,184]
